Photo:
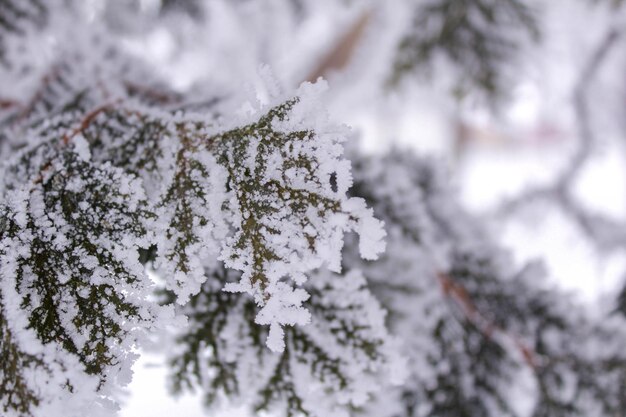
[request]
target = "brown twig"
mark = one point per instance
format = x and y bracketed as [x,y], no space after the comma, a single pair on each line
[340,55]
[84,124]
[7,104]
[87,120]
[159,97]
[487,328]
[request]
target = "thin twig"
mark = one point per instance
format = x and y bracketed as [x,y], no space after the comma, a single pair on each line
[86,121]
[339,57]
[487,328]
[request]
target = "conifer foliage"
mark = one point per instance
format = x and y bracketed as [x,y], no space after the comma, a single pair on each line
[215,221]
[478,36]
[99,173]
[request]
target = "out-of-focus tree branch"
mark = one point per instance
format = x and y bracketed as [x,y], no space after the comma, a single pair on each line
[343,50]
[581,106]
[604,232]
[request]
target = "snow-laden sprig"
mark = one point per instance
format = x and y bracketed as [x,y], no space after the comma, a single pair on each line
[40,379]
[193,209]
[345,350]
[103,164]
[77,189]
[267,195]
[288,181]
[266,192]
[71,280]
[275,183]
[17,395]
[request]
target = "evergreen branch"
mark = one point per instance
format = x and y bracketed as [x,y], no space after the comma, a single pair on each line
[15,392]
[343,345]
[476,37]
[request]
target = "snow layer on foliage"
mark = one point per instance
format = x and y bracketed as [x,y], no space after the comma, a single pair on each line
[192,221]
[47,376]
[345,349]
[75,297]
[297,214]
[101,173]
